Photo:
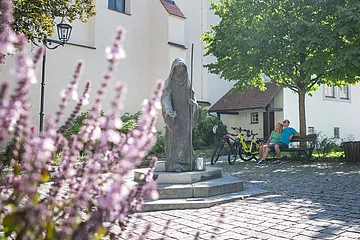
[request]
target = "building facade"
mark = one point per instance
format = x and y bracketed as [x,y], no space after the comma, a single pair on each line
[331,112]
[158,31]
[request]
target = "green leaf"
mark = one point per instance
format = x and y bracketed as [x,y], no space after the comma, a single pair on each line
[13,222]
[36,19]
[50,230]
[45,176]
[100,232]
[17,169]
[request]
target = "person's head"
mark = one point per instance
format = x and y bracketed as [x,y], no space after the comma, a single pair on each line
[279,127]
[286,122]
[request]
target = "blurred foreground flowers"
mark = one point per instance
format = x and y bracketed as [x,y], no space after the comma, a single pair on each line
[73,199]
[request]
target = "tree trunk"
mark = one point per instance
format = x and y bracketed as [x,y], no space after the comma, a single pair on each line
[302,115]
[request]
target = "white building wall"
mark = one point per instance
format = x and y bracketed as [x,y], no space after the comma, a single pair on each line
[193,32]
[335,113]
[291,108]
[324,115]
[243,120]
[176,29]
[279,103]
[149,57]
[216,87]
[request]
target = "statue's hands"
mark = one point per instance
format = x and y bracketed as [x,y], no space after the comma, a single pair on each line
[172,114]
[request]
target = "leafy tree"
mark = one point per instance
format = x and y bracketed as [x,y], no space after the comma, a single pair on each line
[36,19]
[299,44]
[203,134]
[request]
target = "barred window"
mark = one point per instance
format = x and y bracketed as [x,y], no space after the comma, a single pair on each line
[254,117]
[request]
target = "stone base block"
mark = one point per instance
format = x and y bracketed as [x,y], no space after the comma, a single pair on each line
[203,189]
[183,177]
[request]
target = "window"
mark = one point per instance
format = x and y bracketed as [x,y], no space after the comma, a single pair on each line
[254,117]
[311,130]
[336,132]
[344,92]
[117,5]
[329,91]
[337,94]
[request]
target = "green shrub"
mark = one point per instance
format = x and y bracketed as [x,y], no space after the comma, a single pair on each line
[7,154]
[159,147]
[203,135]
[129,121]
[75,125]
[325,145]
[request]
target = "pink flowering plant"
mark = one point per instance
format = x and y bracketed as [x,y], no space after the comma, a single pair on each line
[73,199]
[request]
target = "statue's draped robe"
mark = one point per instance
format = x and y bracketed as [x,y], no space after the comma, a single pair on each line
[177,92]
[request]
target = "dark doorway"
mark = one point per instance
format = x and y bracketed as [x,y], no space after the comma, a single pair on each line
[269,124]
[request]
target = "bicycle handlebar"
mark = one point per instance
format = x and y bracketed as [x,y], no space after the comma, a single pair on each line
[248,132]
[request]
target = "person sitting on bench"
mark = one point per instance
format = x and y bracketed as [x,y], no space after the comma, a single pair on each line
[274,138]
[286,136]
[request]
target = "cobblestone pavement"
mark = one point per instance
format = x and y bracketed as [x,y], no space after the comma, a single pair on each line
[305,201]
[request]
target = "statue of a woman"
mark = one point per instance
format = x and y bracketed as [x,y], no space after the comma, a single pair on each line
[179,110]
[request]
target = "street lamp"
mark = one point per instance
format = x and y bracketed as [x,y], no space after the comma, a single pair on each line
[64,32]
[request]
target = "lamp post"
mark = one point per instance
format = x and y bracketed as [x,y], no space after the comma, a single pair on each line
[64,32]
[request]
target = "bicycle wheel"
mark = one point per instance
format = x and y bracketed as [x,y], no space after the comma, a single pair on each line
[217,153]
[234,152]
[246,156]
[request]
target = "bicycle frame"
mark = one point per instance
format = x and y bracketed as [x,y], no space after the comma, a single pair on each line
[227,138]
[253,148]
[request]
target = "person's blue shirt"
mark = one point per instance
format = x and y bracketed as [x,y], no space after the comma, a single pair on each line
[286,134]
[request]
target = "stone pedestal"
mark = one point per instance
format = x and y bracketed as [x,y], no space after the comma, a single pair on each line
[195,189]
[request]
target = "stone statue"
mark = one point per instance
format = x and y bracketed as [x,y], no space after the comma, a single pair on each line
[179,110]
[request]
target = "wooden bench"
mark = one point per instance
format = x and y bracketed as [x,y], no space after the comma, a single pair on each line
[302,145]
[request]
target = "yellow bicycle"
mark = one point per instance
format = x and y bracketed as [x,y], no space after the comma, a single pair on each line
[246,149]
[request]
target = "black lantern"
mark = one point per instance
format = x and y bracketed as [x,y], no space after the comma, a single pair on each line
[64,31]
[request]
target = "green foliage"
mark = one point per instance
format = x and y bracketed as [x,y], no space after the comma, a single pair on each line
[324,146]
[203,134]
[6,154]
[298,44]
[289,41]
[74,127]
[129,121]
[36,19]
[159,147]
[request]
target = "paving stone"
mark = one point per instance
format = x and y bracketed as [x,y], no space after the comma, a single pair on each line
[305,201]
[350,235]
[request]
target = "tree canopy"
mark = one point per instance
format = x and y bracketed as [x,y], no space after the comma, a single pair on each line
[299,44]
[36,19]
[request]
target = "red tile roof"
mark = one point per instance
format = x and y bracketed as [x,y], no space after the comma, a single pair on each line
[172,8]
[250,99]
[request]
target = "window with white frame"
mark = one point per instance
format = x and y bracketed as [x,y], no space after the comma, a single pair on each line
[254,117]
[122,6]
[329,91]
[311,130]
[336,132]
[344,92]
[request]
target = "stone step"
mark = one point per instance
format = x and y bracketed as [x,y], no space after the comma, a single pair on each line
[212,187]
[182,177]
[196,203]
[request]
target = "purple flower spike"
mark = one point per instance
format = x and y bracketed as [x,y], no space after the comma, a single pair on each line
[73,188]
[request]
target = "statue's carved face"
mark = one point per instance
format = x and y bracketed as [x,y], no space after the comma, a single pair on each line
[179,70]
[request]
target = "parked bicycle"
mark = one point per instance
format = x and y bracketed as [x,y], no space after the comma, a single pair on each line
[220,148]
[245,149]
